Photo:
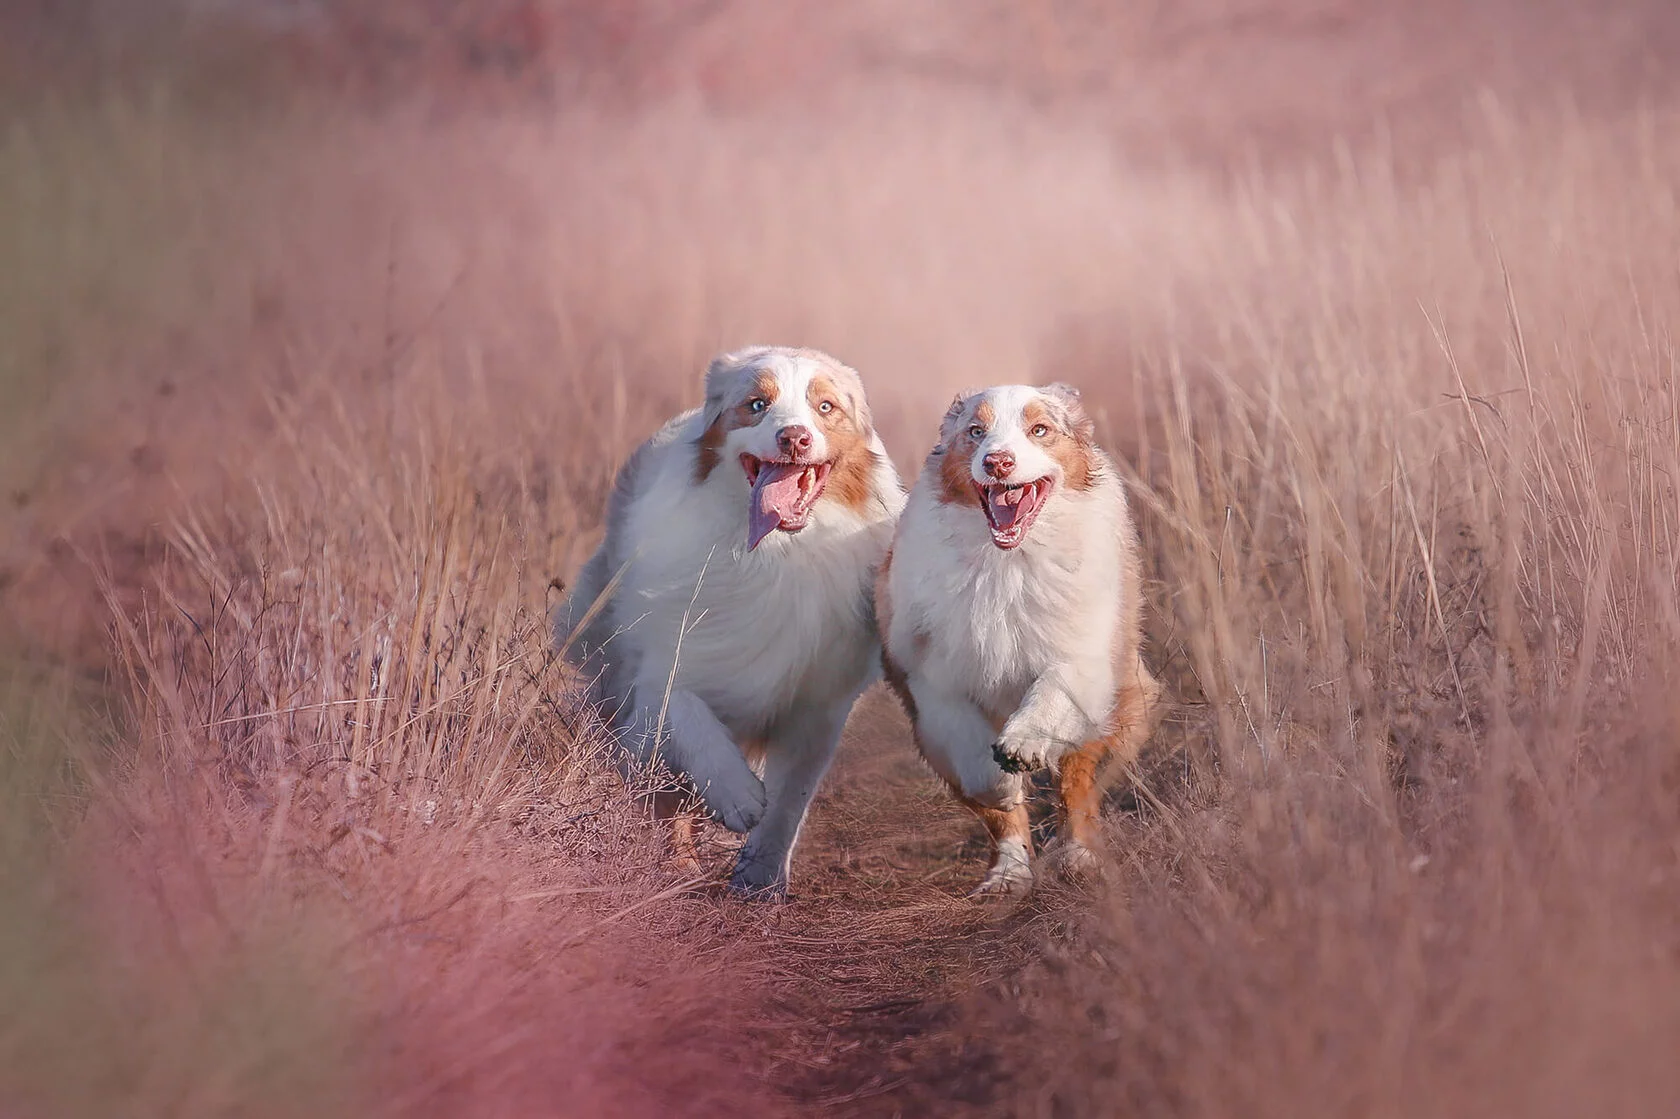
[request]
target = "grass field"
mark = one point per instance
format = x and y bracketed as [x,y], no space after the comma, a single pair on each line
[308,400]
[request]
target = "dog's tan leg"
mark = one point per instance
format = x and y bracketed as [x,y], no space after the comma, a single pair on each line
[672,805]
[1136,712]
[1081,798]
[1011,833]
[1080,790]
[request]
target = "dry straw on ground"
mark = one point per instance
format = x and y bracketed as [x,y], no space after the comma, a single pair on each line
[1404,434]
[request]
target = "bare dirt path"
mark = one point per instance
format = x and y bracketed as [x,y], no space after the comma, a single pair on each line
[882,969]
[879,944]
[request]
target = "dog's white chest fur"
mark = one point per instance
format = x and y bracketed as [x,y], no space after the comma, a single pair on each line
[1010,613]
[987,623]
[752,631]
[728,612]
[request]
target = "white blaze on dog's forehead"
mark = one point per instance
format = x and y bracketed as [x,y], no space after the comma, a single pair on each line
[785,442]
[793,378]
[733,375]
[793,371]
[1009,401]
[1008,433]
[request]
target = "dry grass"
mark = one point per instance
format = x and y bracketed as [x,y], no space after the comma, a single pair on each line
[1412,507]
[336,395]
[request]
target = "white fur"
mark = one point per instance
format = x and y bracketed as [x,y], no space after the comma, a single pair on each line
[791,407]
[1009,433]
[1030,630]
[1010,872]
[703,646]
[1011,646]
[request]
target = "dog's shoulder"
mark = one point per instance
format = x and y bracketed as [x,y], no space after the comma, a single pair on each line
[1116,505]
[581,604]
[638,470]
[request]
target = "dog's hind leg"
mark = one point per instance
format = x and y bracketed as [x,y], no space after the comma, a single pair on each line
[796,756]
[1080,835]
[1081,791]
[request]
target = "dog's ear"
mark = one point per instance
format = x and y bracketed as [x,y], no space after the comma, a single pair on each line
[1066,398]
[722,381]
[952,418]
[865,418]
[850,382]
[715,385]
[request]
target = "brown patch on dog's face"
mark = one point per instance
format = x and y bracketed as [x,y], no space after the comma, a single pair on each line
[956,483]
[1070,448]
[851,481]
[745,412]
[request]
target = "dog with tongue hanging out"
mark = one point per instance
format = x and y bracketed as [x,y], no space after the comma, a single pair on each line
[1010,615]
[726,621]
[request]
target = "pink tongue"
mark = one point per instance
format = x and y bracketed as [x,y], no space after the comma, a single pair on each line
[1004,515]
[775,498]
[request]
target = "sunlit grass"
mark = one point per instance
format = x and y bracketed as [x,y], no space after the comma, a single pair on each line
[1402,442]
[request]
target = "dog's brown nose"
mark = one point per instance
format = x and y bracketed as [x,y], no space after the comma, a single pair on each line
[999,464]
[794,440]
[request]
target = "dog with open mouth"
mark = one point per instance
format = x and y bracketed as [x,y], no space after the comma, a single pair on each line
[1010,615]
[726,621]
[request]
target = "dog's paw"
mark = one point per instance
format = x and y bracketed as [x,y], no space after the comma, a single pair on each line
[1010,875]
[1017,753]
[1004,880]
[734,799]
[758,878]
[1075,863]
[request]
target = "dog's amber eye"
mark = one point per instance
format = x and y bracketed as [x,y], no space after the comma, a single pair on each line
[975,431]
[1039,431]
[826,407]
[757,404]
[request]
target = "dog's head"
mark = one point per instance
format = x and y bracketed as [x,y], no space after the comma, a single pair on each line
[796,425]
[1011,449]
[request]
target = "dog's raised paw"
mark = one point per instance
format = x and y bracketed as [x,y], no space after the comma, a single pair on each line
[1015,754]
[735,802]
[1007,762]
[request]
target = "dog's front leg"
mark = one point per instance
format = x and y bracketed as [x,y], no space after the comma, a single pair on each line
[694,743]
[954,736]
[796,755]
[1064,708]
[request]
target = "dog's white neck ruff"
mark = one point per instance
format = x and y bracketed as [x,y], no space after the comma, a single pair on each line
[751,629]
[1004,616]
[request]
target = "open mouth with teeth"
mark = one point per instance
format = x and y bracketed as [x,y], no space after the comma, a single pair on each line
[782,495]
[1012,509]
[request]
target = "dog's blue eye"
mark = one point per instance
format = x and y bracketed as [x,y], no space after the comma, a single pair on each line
[826,407]
[756,406]
[976,430]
